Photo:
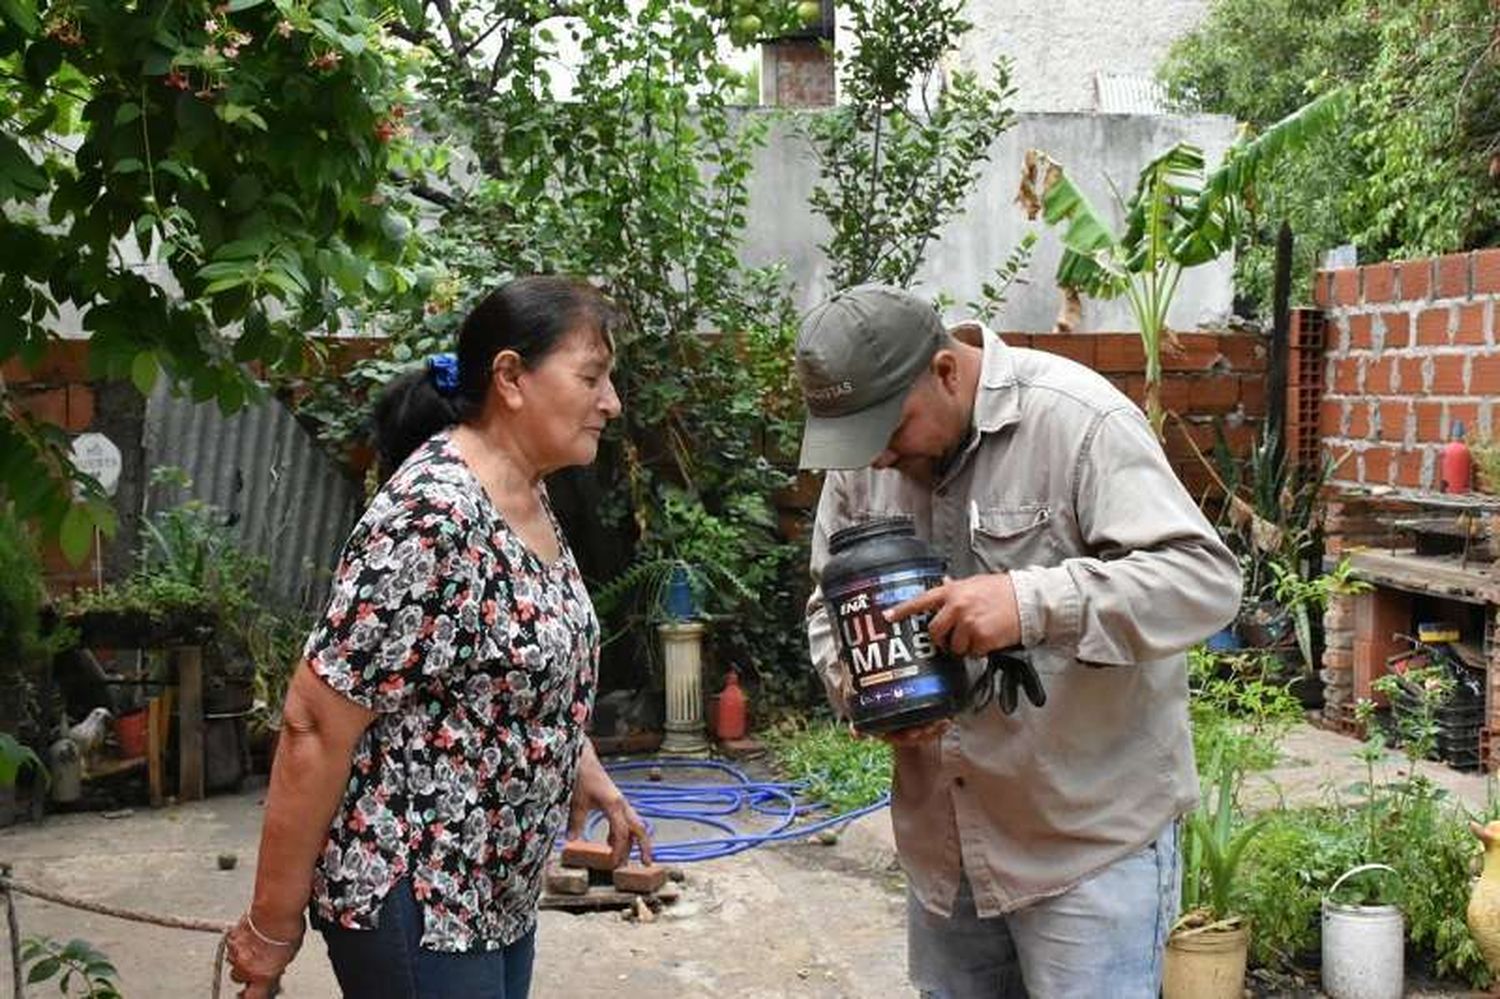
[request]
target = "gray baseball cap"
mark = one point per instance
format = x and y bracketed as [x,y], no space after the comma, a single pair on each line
[858,354]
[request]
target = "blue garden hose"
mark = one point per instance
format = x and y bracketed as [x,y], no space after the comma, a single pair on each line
[712,805]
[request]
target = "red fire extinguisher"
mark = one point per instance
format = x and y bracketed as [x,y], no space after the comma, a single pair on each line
[732,722]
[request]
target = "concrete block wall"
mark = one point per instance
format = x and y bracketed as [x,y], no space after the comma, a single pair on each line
[1409,348]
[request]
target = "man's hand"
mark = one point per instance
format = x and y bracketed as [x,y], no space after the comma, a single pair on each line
[256,963]
[595,790]
[972,617]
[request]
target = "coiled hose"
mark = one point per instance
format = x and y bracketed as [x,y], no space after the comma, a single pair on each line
[713,805]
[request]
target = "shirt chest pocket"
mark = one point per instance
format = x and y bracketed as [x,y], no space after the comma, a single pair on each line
[1013,537]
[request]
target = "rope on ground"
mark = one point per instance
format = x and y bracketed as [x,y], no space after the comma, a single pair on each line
[9,886]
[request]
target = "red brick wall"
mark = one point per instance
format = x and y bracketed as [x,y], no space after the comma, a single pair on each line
[1209,376]
[1409,348]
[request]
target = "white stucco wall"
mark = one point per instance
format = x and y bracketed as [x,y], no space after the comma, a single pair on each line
[1056,46]
[1091,147]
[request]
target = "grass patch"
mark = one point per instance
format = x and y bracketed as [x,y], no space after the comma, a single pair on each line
[843,771]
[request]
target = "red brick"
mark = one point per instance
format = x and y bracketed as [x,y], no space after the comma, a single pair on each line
[1176,392]
[1379,616]
[1119,352]
[64,361]
[1378,374]
[1359,332]
[1453,276]
[1393,413]
[1078,346]
[1345,286]
[1432,327]
[1471,324]
[1416,280]
[567,880]
[1243,351]
[1330,418]
[1447,375]
[1379,283]
[1397,330]
[1134,387]
[1409,470]
[1429,422]
[1194,352]
[1468,412]
[1487,272]
[48,405]
[1213,395]
[1323,289]
[1346,467]
[1484,375]
[1359,421]
[586,853]
[642,879]
[1377,465]
[1410,371]
[80,408]
[1016,339]
[1346,376]
[1253,395]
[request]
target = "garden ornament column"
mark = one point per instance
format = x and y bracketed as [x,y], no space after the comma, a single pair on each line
[682,648]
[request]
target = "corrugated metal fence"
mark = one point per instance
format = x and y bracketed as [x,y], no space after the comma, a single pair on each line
[290,502]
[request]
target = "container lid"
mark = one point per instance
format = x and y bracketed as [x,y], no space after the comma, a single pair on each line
[879,527]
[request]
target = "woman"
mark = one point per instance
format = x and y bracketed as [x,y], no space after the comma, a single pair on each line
[433,743]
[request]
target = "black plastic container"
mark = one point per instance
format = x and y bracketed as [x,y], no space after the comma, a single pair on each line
[899,678]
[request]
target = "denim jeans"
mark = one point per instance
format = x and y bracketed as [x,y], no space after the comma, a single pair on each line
[388,962]
[1103,937]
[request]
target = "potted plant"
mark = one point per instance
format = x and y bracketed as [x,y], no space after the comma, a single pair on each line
[1363,942]
[1209,946]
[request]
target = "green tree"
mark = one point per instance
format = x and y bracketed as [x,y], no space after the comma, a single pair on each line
[241,147]
[900,156]
[639,180]
[1179,216]
[1407,172]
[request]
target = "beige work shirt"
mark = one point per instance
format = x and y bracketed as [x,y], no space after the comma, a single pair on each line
[1116,574]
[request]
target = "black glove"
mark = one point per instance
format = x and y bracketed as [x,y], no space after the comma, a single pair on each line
[1005,676]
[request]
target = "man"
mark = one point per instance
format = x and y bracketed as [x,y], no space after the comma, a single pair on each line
[1040,846]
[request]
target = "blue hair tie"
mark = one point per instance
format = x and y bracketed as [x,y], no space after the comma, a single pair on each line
[443,370]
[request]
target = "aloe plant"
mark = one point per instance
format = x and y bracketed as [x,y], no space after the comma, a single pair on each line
[1213,845]
[1179,217]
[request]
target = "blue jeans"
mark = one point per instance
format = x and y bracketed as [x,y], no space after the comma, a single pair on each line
[388,962]
[1103,937]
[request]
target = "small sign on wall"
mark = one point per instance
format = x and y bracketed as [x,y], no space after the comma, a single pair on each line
[97,455]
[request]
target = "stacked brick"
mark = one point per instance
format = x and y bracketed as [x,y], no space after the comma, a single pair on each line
[1208,377]
[1351,653]
[1410,348]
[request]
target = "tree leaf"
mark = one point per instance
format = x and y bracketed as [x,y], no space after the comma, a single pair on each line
[76,536]
[21,13]
[143,371]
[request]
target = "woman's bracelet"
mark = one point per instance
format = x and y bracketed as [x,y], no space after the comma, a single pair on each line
[263,938]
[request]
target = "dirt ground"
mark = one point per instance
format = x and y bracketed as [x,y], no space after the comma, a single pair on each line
[791,920]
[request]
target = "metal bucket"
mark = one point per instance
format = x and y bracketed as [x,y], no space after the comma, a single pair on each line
[1364,946]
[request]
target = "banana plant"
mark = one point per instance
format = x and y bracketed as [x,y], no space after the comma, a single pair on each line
[1179,216]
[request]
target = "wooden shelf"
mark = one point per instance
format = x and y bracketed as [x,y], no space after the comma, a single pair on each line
[1439,575]
[113,768]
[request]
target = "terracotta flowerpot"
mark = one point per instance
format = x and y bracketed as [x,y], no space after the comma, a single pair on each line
[1206,963]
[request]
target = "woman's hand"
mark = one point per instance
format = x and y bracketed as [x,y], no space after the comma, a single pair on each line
[258,963]
[595,790]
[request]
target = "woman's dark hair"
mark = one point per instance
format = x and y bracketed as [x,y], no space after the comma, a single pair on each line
[529,315]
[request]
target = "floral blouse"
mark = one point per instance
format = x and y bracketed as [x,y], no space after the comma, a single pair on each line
[480,661]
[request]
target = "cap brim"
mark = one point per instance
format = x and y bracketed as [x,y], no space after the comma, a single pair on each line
[851,441]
